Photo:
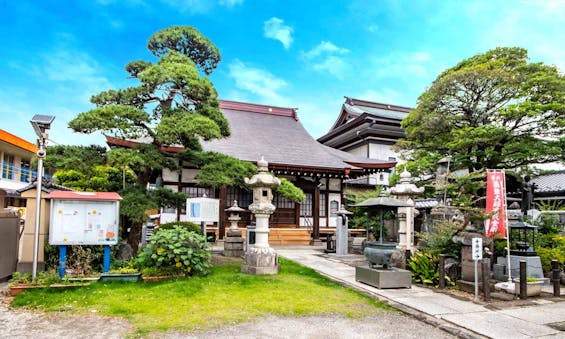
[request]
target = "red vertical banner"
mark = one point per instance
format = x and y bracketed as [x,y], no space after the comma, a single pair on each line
[496,204]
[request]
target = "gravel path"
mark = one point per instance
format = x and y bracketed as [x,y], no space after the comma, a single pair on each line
[17,323]
[387,325]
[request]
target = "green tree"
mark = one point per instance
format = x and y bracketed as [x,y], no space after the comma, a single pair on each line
[79,158]
[172,104]
[494,110]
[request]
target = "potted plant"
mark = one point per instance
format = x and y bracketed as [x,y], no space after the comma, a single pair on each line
[121,274]
[50,279]
[533,287]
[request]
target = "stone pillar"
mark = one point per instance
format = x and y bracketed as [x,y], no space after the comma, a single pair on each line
[260,258]
[405,190]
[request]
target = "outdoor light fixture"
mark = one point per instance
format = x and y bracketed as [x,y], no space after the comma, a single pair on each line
[41,125]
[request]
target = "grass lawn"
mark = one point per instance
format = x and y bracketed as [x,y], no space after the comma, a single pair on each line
[224,297]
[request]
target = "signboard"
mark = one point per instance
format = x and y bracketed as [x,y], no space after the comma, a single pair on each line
[477,248]
[203,210]
[84,222]
[496,204]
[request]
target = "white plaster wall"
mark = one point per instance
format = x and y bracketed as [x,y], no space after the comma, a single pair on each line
[169,175]
[360,151]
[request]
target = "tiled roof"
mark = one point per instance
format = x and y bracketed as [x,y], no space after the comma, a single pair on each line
[47,186]
[547,183]
[281,139]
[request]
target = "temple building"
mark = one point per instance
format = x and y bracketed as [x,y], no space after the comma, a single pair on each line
[367,129]
[276,134]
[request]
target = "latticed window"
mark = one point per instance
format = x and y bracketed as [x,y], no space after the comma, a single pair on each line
[306,206]
[323,206]
[282,202]
[244,197]
[197,192]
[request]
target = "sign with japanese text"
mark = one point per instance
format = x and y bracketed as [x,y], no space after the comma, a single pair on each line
[203,209]
[477,248]
[496,204]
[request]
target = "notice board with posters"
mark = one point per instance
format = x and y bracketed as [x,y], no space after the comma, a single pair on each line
[84,221]
[203,210]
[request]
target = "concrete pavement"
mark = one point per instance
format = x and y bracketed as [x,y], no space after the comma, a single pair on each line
[462,318]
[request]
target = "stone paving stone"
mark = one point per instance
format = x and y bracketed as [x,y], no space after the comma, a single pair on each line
[439,304]
[541,314]
[498,325]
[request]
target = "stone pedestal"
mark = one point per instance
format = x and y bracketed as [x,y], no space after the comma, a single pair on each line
[533,267]
[261,260]
[380,278]
[233,243]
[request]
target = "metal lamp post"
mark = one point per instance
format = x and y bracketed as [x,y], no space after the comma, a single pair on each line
[41,125]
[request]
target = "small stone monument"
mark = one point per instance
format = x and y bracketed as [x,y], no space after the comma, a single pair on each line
[233,244]
[341,232]
[259,257]
[467,281]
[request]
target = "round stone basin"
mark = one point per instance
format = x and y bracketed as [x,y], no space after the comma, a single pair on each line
[383,254]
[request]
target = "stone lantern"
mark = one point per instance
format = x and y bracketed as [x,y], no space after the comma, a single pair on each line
[259,257]
[405,190]
[233,244]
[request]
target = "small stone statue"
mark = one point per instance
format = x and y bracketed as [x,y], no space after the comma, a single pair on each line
[528,189]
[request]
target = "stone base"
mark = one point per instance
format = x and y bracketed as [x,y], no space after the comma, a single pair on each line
[533,267]
[469,286]
[262,260]
[233,232]
[316,242]
[379,278]
[233,246]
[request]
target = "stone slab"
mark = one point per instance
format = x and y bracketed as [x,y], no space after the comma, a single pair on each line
[498,325]
[395,278]
[260,270]
[540,314]
[439,304]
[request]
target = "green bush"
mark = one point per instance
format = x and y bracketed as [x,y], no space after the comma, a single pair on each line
[184,251]
[424,267]
[548,254]
[440,240]
[190,226]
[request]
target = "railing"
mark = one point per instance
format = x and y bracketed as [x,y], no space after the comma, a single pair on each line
[16,173]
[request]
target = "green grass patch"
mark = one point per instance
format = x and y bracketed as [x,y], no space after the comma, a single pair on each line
[226,296]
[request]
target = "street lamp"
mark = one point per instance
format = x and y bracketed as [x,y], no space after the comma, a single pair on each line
[41,125]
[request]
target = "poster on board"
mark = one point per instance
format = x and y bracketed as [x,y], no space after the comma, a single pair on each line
[203,210]
[84,222]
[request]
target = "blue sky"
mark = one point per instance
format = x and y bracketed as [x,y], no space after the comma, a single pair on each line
[303,54]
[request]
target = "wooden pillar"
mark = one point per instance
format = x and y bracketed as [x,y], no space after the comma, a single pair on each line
[179,186]
[223,203]
[316,210]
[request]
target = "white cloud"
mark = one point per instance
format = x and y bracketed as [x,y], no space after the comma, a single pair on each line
[257,81]
[324,48]
[326,57]
[230,3]
[403,65]
[274,28]
[373,28]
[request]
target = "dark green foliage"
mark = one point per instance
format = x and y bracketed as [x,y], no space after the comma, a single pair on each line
[179,249]
[220,170]
[289,191]
[78,158]
[488,112]
[135,201]
[189,226]
[172,104]
[440,240]
[101,178]
[367,217]
[188,41]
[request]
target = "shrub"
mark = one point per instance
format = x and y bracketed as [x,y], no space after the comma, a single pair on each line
[548,254]
[424,267]
[189,226]
[440,240]
[183,251]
